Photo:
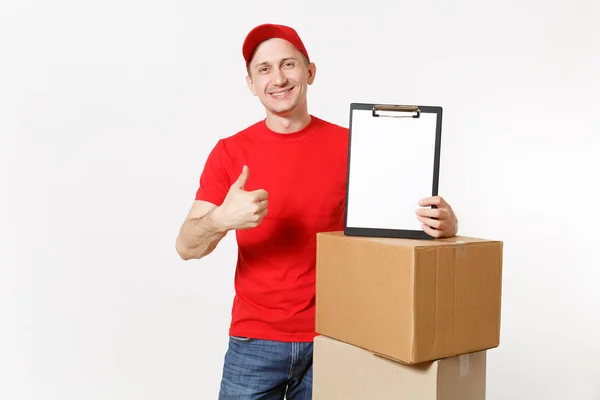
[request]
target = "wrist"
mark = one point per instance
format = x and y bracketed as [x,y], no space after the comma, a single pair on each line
[217,223]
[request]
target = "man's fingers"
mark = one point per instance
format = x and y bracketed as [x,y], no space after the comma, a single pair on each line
[259,215]
[435,223]
[262,205]
[259,195]
[439,213]
[438,221]
[437,201]
[431,232]
[242,179]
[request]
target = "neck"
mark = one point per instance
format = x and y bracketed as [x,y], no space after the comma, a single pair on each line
[288,123]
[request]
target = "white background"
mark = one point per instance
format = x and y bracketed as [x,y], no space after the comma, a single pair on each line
[109,109]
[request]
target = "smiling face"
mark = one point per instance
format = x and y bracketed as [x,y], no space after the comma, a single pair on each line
[280,75]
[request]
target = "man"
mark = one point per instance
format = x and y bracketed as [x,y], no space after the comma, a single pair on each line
[276,184]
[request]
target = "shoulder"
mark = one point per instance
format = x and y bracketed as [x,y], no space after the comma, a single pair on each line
[236,140]
[255,127]
[330,126]
[325,124]
[333,132]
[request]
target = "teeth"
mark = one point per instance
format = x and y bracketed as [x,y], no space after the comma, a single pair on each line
[280,93]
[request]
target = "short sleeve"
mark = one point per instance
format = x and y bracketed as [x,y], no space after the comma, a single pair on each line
[214,180]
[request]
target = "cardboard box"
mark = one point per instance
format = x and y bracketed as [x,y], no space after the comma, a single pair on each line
[409,300]
[345,372]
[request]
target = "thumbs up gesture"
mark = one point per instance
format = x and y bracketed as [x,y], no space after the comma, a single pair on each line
[243,209]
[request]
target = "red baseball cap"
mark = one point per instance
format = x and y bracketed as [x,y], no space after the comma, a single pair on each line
[270,31]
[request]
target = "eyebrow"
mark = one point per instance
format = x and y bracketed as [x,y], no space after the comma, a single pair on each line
[280,61]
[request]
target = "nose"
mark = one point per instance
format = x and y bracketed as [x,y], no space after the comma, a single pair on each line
[279,77]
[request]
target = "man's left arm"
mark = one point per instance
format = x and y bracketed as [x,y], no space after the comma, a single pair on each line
[439,222]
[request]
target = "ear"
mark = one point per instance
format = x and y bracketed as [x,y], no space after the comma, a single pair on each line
[312,72]
[250,84]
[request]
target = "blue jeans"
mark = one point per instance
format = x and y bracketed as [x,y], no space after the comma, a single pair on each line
[257,369]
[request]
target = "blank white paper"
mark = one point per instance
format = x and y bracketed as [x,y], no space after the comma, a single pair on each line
[391,169]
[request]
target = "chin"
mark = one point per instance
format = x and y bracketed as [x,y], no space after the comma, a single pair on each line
[287,111]
[281,109]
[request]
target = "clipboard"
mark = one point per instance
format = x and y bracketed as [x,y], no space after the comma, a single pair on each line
[393,162]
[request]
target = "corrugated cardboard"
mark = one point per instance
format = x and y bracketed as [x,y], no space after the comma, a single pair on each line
[409,300]
[345,372]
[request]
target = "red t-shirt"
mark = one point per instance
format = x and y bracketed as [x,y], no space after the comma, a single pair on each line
[304,174]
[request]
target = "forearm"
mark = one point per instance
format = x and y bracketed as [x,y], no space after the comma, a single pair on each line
[198,237]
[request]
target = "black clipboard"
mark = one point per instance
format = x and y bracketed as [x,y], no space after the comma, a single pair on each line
[393,162]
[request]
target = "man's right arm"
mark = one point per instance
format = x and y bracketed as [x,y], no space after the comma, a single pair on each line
[201,231]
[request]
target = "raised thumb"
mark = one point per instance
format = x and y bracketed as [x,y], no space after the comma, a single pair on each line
[241,180]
